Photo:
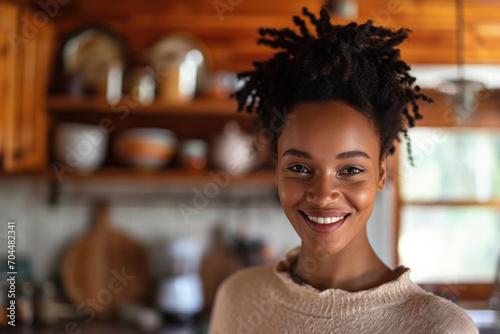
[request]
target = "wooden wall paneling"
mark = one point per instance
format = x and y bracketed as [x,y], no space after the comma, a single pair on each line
[45,54]
[231,39]
[3,87]
[26,77]
[25,125]
[232,36]
[433,23]
[10,18]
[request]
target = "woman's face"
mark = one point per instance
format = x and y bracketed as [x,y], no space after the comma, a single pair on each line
[328,167]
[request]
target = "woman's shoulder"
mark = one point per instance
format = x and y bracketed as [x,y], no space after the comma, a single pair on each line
[238,294]
[243,298]
[246,278]
[441,314]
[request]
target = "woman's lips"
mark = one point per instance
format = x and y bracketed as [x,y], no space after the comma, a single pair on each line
[324,228]
[324,213]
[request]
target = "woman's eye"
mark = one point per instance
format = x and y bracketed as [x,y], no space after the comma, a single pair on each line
[352,170]
[298,169]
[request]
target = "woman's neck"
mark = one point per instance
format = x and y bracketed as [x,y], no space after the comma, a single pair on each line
[354,268]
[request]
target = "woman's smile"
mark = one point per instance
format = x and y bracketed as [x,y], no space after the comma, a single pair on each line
[324,225]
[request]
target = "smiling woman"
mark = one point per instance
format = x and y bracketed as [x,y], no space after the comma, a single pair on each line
[346,93]
[327,172]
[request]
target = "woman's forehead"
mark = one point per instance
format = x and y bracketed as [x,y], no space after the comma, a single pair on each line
[329,127]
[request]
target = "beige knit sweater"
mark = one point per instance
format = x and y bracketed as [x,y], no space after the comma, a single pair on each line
[265,299]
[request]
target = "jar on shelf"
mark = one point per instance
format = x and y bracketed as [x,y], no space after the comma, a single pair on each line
[141,86]
[193,154]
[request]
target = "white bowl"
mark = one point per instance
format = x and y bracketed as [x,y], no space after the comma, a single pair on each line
[80,146]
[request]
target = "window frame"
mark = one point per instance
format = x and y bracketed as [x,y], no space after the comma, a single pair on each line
[440,114]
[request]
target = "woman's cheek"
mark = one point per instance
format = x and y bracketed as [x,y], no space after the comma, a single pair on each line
[290,194]
[361,195]
[284,195]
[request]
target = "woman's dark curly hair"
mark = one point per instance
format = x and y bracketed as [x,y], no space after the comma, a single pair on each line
[356,64]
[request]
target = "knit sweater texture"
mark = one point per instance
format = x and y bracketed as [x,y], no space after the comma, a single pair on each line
[266,299]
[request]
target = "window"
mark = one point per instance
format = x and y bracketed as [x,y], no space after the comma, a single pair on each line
[449,205]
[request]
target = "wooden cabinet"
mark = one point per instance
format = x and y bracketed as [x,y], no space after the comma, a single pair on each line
[26,45]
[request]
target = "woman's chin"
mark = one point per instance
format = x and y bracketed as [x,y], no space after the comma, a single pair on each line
[322,248]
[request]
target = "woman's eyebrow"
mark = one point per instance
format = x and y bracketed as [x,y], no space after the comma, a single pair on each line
[340,156]
[297,153]
[352,154]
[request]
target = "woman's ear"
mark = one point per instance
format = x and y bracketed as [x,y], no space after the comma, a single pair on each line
[382,177]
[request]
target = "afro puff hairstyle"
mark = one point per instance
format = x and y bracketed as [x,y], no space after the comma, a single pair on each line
[354,63]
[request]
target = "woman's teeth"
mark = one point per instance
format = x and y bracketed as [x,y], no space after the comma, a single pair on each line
[329,220]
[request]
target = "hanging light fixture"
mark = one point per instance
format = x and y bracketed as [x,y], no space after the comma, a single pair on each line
[343,8]
[461,91]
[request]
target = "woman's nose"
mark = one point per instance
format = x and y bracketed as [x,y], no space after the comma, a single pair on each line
[324,190]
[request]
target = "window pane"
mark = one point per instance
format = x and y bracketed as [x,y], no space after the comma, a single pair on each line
[450,244]
[451,165]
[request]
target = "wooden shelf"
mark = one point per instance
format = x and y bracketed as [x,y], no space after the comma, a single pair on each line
[263,177]
[438,114]
[441,114]
[60,104]
[260,180]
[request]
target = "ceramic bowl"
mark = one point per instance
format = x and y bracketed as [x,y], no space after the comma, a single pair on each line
[145,148]
[80,146]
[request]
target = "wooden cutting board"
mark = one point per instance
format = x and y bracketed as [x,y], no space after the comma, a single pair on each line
[104,267]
